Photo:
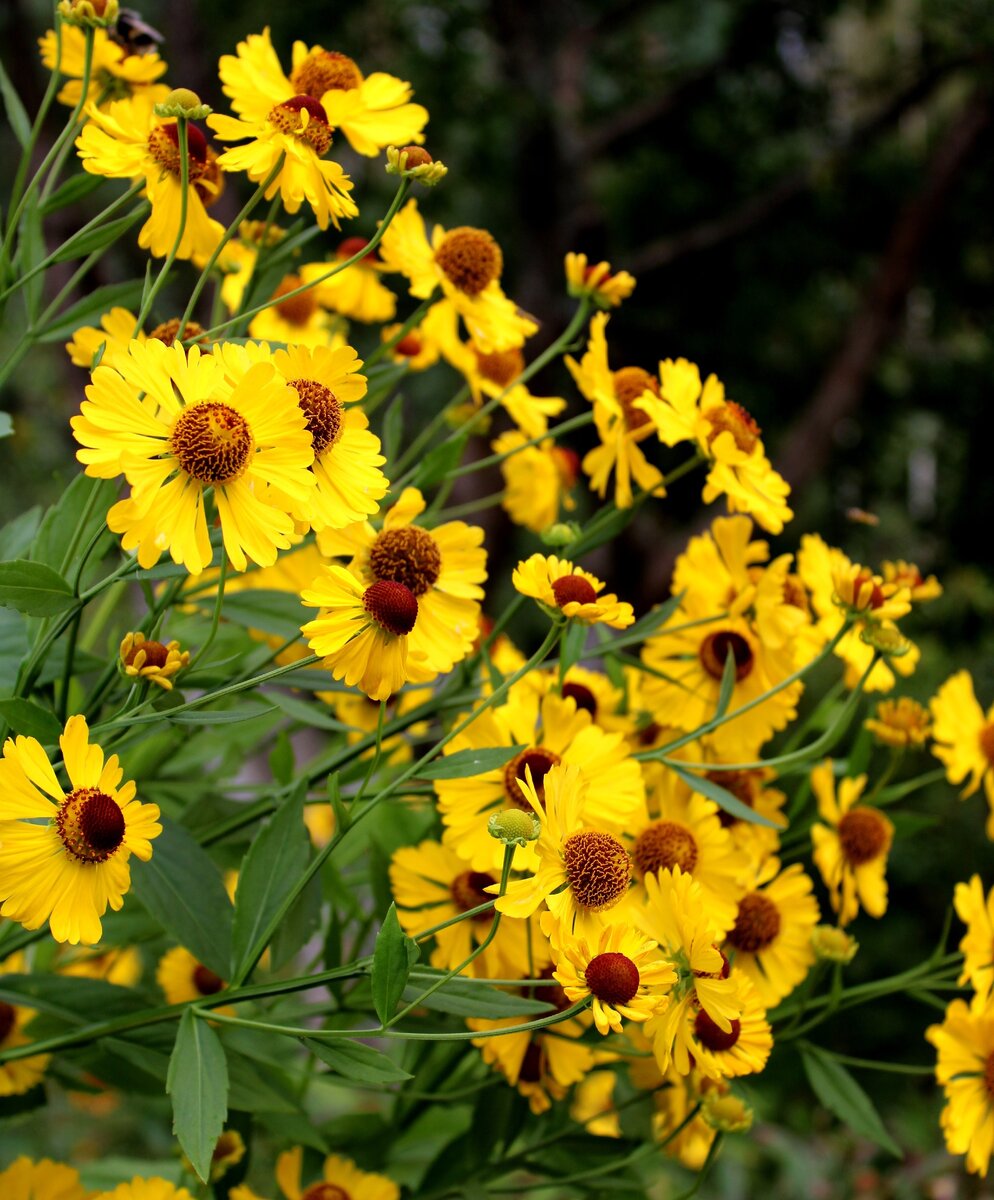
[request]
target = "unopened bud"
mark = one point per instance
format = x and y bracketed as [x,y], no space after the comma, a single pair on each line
[561,534]
[514,826]
[726,1113]
[833,945]
[414,162]
[183,102]
[887,640]
[97,14]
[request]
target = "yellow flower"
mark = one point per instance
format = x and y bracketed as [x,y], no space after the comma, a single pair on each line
[905,574]
[466,264]
[372,111]
[743,1049]
[240,436]
[300,320]
[22,1074]
[127,141]
[239,257]
[42,1180]
[605,289]
[771,937]
[355,292]
[552,730]
[537,480]
[120,965]
[964,738]
[182,978]
[362,717]
[622,972]
[145,1189]
[151,660]
[965,1067]
[67,867]
[593,1104]
[117,328]
[582,872]
[688,1138]
[415,350]
[562,587]
[851,851]
[900,723]
[977,914]
[229,1150]
[115,74]
[341,1174]
[591,691]
[867,595]
[620,400]
[832,944]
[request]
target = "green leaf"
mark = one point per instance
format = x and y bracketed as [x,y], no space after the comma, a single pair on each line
[31,252]
[299,925]
[275,861]
[342,817]
[723,798]
[34,588]
[16,114]
[842,1096]
[393,428]
[91,308]
[355,1060]
[314,714]
[225,716]
[469,762]
[646,625]
[76,188]
[13,644]
[278,613]
[24,716]
[467,998]
[181,888]
[727,686]
[198,1084]
[281,759]
[437,463]
[95,239]
[17,535]
[394,955]
[571,647]
[57,534]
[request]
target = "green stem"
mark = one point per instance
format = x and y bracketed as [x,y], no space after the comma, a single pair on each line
[182,134]
[218,599]
[492,460]
[46,103]
[413,320]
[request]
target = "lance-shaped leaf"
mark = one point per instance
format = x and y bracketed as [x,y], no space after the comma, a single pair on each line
[393,957]
[198,1084]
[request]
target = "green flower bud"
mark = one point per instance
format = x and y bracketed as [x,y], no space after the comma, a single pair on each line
[514,827]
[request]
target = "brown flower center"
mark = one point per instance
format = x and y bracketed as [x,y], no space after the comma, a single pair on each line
[168,330]
[322,412]
[598,869]
[163,146]
[541,762]
[228,1143]
[326,71]
[392,606]
[409,555]
[714,653]
[468,891]
[582,696]
[352,246]
[863,835]
[533,1064]
[155,654]
[744,786]
[613,978]
[299,309]
[90,824]
[987,742]
[502,367]
[210,186]
[630,384]
[711,1036]
[663,846]
[568,464]
[756,924]
[303,117]
[470,258]
[732,418]
[573,589]
[212,442]
[794,593]
[325,1191]
[409,346]
[8,1019]
[206,982]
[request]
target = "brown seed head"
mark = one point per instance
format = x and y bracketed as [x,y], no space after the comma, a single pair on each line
[573,589]
[710,1036]
[541,762]
[714,650]
[501,367]
[598,869]
[206,982]
[863,835]
[167,332]
[756,924]
[298,309]
[393,606]
[90,824]
[613,978]
[582,696]
[732,418]
[663,846]
[630,384]
[326,71]
[470,259]
[409,555]
[322,412]
[288,117]
[212,442]
[163,146]
[468,891]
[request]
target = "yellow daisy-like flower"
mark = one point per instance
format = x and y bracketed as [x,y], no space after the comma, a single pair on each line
[128,141]
[964,738]
[687,1137]
[42,1180]
[965,1068]
[242,437]
[743,1049]
[564,588]
[22,1074]
[605,288]
[155,1188]
[771,937]
[900,723]
[229,1150]
[115,74]
[64,856]
[442,567]
[582,872]
[347,458]
[362,633]
[466,264]
[623,972]
[154,661]
[620,400]
[117,329]
[538,480]
[867,595]
[756,841]
[552,730]
[300,320]
[121,965]
[591,691]
[182,978]
[905,574]
[355,292]
[372,111]
[593,1104]
[977,914]
[294,129]
[851,850]
[362,715]
[415,350]
[339,1175]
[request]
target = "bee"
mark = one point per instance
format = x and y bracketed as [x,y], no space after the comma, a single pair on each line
[135,35]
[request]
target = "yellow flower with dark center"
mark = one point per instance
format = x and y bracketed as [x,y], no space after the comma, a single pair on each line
[22,1074]
[552,730]
[591,691]
[373,111]
[851,850]
[64,855]
[900,723]
[199,427]
[355,292]
[965,1068]
[564,588]
[905,574]
[121,965]
[183,979]
[742,1049]
[620,401]
[466,264]
[154,661]
[538,480]
[964,739]
[415,350]
[117,332]
[154,1188]
[605,288]
[977,913]
[623,972]
[42,1180]
[340,1179]
[128,141]
[115,74]
[297,320]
